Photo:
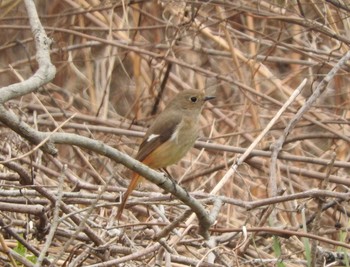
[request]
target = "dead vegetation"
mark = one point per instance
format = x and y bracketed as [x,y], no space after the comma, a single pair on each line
[118,64]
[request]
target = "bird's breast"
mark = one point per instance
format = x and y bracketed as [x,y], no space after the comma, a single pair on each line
[178,145]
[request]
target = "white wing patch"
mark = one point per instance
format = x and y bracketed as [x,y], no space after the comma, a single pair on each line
[175,136]
[151,137]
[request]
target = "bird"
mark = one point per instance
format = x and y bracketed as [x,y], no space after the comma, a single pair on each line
[171,135]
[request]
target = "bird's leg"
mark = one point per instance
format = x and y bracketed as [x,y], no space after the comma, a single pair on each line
[170,177]
[173,180]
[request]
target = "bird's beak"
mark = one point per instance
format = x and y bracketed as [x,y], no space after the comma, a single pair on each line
[208,98]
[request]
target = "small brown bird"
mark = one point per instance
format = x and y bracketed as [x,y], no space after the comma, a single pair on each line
[171,135]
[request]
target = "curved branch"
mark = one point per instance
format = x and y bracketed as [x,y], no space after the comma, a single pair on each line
[12,121]
[204,219]
[46,71]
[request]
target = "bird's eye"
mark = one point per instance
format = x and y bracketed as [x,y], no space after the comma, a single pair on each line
[193,99]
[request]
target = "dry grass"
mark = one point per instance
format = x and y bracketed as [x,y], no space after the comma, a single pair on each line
[112,62]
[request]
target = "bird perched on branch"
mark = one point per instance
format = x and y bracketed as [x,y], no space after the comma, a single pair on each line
[171,135]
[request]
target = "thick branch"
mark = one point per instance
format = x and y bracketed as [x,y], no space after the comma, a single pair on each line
[151,175]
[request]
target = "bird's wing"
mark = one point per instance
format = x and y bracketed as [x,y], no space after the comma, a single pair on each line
[159,132]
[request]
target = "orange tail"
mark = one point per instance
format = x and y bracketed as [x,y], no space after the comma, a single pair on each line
[134,182]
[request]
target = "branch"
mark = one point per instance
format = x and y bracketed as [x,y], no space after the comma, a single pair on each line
[277,146]
[43,75]
[204,219]
[20,127]
[46,71]
[247,152]
[12,121]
